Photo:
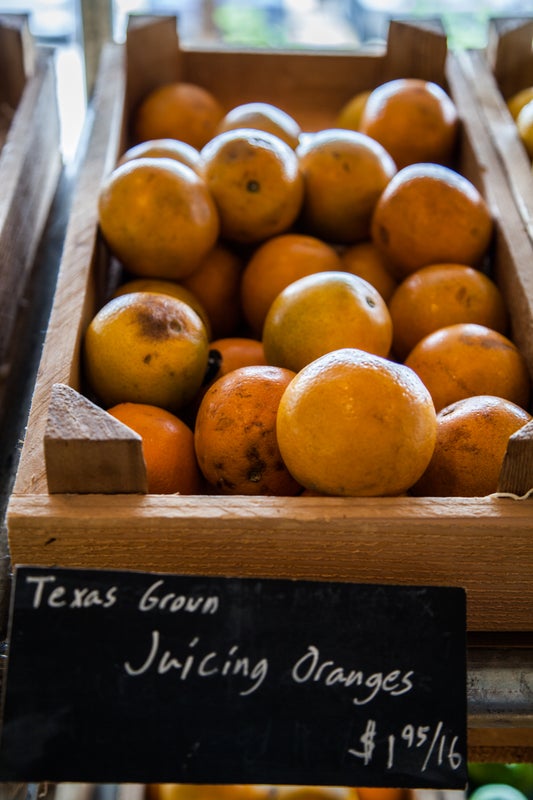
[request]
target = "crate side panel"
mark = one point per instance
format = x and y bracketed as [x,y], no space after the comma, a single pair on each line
[311,87]
[510,54]
[492,77]
[152,56]
[30,164]
[79,284]
[512,253]
[16,58]
[503,133]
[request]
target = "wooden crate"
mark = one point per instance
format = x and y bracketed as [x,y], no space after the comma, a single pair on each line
[495,75]
[30,164]
[482,544]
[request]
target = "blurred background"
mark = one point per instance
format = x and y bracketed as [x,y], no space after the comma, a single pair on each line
[277,23]
[289,24]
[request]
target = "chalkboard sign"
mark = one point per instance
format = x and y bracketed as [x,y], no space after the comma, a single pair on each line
[135,677]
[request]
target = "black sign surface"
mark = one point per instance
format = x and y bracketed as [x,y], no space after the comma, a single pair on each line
[136,677]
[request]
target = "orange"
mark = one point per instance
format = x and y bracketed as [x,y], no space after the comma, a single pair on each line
[524,124]
[164,148]
[172,288]
[440,295]
[315,793]
[157,217]
[216,284]
[324,312]
[415,120]
[518,100]
[380,793]
[234,352]
[148,348]
[256,183]
[191,791]
[225,355]
[355,424]
[365,260]
[276,263]
[177,110]
[345,173]
[262,117]
[351,112]
[235,433]
[168,448]
[466,359]
[472,437]
[430,214]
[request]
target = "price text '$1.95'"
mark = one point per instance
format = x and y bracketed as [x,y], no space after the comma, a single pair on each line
[434,746]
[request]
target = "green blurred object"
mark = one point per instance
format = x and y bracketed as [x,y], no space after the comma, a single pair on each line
[519,776]
[497,791]
[250,27]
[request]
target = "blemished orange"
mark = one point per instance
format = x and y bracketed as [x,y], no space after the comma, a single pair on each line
[157,217]
[225,355]
[324,312]
[415,120]
[351,112]
[263,117]
[354,424]
[276,263]
[148,348]
[467,359]
[216,284]
[365,260]
[235,433]
[472,438]
[164,148]
[344,173]
[439,295]
[234,352]
[177,110]
[200,791]
[256,183]
[430,214]
[172,288]
[167,445]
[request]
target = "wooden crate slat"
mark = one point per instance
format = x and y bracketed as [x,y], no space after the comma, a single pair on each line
[494,76]
[513,247]
[510,53]
[30,165]
[17,57]
[484,545]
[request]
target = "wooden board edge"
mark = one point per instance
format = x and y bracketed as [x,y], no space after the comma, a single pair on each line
[30,167]
[511,240]
[74,299]
[306,538]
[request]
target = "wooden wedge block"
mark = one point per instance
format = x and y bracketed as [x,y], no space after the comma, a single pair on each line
[516,475]
[87,450]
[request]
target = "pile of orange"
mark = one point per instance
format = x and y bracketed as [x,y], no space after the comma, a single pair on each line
[189,791]
[308,304]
